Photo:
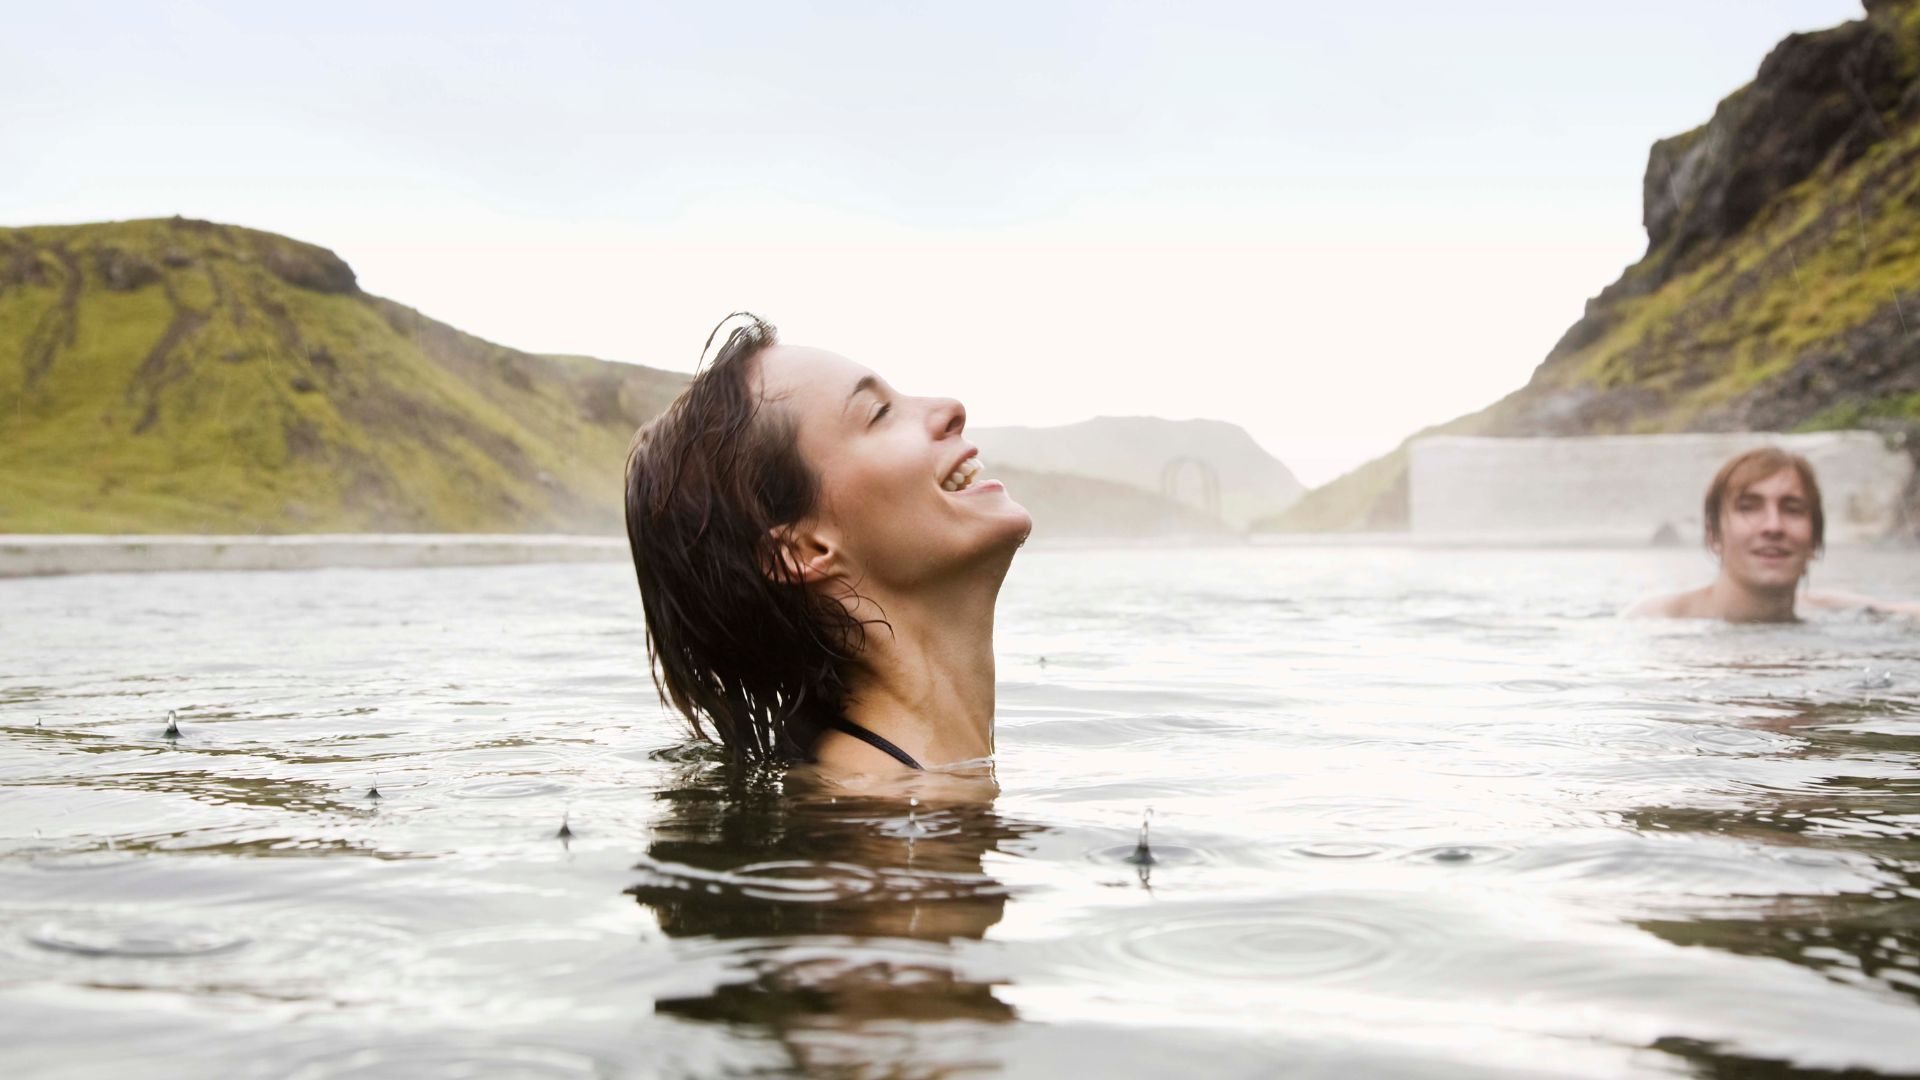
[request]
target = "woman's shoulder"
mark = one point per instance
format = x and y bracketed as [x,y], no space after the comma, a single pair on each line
[841,752]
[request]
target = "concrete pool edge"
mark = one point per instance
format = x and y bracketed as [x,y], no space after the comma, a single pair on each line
[24,555]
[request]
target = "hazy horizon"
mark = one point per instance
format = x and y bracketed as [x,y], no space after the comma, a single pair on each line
[1329,226]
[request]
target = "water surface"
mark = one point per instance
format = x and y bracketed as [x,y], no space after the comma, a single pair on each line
[1413,813]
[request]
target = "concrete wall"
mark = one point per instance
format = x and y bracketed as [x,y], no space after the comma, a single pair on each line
[1624,488]
[26,556]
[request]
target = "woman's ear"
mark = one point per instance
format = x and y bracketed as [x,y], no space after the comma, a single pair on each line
[797,555]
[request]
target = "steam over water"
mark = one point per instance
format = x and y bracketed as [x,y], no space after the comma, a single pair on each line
[1414,812]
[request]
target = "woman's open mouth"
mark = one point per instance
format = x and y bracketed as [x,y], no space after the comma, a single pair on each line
[963,476]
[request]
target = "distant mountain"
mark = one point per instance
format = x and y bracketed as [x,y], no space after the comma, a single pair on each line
[1164,457]
[1077,507]
[176,375]
[1781,285]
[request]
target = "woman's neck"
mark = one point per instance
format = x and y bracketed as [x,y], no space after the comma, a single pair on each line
[927,684]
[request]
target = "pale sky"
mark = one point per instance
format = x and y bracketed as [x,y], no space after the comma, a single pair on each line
[1332,223]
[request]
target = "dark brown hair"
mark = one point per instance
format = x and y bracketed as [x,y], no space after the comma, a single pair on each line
[1758,464]
[734,640]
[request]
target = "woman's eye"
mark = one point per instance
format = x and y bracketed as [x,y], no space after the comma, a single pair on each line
[878,413]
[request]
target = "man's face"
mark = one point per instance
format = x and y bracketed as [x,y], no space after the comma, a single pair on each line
[1766,533]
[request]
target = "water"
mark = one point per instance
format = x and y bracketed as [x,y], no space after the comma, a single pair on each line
[1414,813]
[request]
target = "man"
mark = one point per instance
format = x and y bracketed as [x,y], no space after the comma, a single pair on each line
[1765,523]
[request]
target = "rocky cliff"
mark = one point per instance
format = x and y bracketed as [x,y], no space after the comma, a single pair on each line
[1781,285]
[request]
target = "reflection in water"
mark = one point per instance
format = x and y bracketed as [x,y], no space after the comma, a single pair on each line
[1868,939]
[809,904]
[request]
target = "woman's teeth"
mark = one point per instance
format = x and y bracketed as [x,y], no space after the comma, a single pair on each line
[963,476]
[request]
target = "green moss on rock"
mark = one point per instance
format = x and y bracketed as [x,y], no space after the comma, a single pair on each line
[181,376]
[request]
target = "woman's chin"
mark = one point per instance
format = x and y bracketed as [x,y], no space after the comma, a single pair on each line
[1004,528]
[1019,522]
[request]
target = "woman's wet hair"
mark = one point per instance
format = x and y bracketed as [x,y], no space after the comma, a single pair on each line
[1752,466]
[736,643]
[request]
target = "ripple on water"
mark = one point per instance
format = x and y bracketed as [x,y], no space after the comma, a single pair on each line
[582,958]
[1487,766]
[1741,739]
[1122,730]
[1664,708]
[1631,737]
[136,939]
[1152,855]
[1685,865]
[1460,854]
[1337,850]
[1307,939]
[812,881]
[1536,686]
[105,859]
[429,1061]
[802,880]
[509,759]
[294,955]
[1132,791]
[511,788]
[1383,815]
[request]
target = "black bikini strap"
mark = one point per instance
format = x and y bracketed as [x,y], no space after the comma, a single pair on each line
[841,723]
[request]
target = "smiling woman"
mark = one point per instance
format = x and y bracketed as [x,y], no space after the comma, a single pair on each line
[819,558]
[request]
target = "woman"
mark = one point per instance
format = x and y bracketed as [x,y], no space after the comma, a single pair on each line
[819,556]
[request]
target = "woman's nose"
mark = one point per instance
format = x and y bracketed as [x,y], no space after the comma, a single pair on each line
[948,416]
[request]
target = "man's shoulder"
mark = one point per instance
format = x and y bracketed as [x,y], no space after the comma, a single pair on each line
[1845,601]
[1665,606]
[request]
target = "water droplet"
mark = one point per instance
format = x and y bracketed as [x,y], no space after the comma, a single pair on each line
[1143,851]
[1870,681]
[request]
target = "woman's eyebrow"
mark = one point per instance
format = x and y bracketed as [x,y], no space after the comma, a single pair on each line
[867,382]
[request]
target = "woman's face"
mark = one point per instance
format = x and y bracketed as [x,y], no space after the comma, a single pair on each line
[885,461]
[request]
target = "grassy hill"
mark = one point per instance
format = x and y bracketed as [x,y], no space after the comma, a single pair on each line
[176,375]
[1781,285]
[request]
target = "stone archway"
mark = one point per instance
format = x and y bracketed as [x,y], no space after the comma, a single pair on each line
[1170,476]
